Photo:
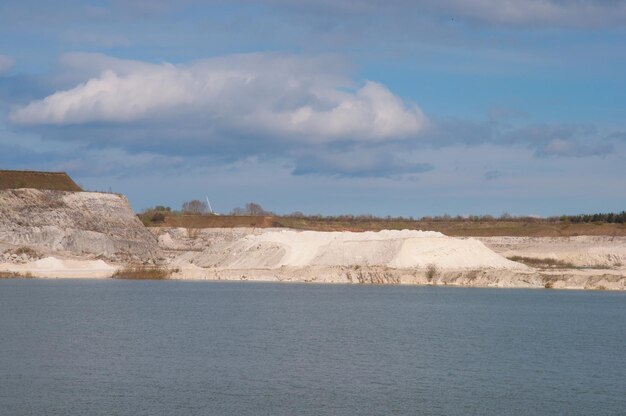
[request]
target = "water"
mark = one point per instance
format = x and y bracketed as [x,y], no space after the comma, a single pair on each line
[109,347]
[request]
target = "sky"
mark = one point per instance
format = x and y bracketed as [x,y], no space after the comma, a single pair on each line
[405,107]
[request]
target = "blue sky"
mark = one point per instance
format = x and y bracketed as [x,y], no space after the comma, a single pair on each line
[402,107]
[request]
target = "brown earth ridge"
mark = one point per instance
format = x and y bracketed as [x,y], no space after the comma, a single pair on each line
[17,179]
[523,227]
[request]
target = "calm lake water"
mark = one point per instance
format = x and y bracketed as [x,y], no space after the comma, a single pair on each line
[107,347]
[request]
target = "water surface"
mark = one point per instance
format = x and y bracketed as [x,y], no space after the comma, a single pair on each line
[107,347]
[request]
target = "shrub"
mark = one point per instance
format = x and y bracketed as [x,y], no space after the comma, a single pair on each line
[195,207]
[542,263]
[28,251]
[142,273]
[157,217]
[251,209]
[472,275]
[15,275]
[431,272]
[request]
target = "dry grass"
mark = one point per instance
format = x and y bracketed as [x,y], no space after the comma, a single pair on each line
[545,263]
[28,251]
[472,275]
[15,179]
[142,273]
[15,275]
[528,227]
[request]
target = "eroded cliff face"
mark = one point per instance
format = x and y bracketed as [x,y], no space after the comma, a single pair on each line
[91,224]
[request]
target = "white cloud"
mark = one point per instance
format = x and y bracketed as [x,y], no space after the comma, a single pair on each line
[284,96]
[6,63]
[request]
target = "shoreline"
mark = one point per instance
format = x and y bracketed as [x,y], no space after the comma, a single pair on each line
[329,284]
[562,279]
[60,245]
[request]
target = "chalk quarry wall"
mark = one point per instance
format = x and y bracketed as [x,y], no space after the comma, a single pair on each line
[387,257]
[91,224]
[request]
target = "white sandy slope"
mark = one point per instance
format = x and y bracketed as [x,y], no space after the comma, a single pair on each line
[386,257]
[52,267]
[600,251]
[404,249]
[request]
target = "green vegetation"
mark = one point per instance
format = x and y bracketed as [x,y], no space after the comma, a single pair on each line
[611,218]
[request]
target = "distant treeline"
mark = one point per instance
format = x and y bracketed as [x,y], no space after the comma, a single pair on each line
[253,209]
[611,218]
[436,218]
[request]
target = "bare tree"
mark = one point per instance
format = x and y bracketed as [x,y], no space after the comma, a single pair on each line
[195,207]
[252,209]
[237,211]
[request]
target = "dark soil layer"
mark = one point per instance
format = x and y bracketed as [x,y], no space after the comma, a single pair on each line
[58,181]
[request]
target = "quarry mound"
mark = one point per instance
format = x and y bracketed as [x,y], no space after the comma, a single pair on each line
[406,249]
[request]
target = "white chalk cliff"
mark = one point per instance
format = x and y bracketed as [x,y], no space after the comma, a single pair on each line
[88,224]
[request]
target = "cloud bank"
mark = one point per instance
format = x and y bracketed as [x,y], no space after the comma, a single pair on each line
[303,112]
[285,97]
